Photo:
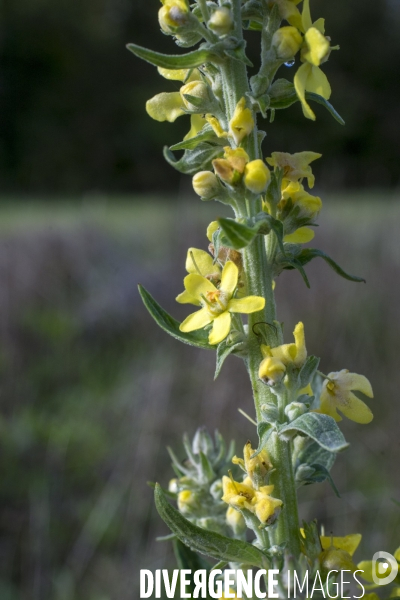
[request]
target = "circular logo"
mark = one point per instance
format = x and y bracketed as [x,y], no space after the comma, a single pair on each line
[387,564]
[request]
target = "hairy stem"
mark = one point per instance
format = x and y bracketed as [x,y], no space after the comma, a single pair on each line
[257,265]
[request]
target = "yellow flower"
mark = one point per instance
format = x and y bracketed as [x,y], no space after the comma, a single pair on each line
[315,51]
[206,184]
[348,543]
[172,14]
[242,122]
[199,262]
[231,168]
[217,303]
[337,395]
[302,235]
[167,106]
[296,166]
[256,468]
[271,370]
[256,176]
[186,500]
[310,205]
[244,496]
[197,89]
[215,124]
[287,42]
[221,21]
[288,353]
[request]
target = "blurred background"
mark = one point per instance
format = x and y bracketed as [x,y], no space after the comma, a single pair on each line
[91,391]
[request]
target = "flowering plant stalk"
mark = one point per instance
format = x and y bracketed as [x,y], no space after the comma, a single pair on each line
[251,521]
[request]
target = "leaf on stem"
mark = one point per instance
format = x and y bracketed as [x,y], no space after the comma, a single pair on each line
[175,61]
[207,542]
[197,338]
[193,161]
[320,428]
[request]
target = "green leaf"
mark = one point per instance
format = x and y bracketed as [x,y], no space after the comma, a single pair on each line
[321,428]
[175,61]
[308,452]
[170,325]
[187,559]
[308,254]
[192,161]
[320,100]
[294,263]
[223,351]
[238,235]
[207,542]
[205,135]
[308,371]
[283,95]
[264,431]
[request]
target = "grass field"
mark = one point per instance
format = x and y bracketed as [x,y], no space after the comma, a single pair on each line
[92,392]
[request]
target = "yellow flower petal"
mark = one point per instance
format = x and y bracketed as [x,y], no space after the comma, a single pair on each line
[328,405]
[317,47]
[202,260]
[318,83]
[302,235]
[353,381]
[198,286]
[301,351]
[356,410]
[173,74]
[306,15]
[221,328]
[242,122]
[211,229]
[247,305]
[215,124]
[229,278]
[349,543]
[196,125]
[186,298]
[320,25]
[300,82]
[165,106]
[196,320]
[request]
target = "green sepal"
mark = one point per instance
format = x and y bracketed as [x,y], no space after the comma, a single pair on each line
[175,61]
[283,95]
[308,452]
[320,428]
[193,161]
[308,370]
[206,542]
[308,254]
[197,338]
[237,235]
[320,475]
[206,470]
[223,351]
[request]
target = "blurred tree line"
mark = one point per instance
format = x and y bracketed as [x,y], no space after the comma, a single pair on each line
[72,116]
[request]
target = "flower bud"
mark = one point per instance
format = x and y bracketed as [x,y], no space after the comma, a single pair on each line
[172,15]
[235,521]
[221,21]
[286,41]
[173,486]
[216,489]
[200,91]
[186,501]
[237,158]
[206,184]
[242,122]
[271,370]
[294,410]
[256,176]
[270,412]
